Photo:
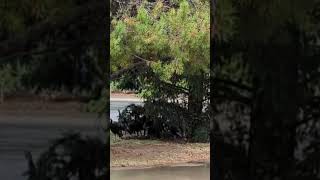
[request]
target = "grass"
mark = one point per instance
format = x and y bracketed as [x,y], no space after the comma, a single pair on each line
[117,140]
[114,139]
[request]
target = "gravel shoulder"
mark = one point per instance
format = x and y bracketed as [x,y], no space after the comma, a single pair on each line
[154,153]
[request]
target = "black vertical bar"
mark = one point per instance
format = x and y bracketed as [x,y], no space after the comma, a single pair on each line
[216,140]
[107,93]
[212,162]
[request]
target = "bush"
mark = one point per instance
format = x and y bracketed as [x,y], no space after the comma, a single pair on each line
[99,105]
[7,81]
[12,79]
[201,134]
[70,157]
[114,86]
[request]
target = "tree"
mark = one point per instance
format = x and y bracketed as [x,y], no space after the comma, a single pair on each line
[173,44]
[275,39]
[61,36]
[74,32]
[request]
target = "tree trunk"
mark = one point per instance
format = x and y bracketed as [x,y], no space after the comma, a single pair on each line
[274,114]
[217,170]
[195,102]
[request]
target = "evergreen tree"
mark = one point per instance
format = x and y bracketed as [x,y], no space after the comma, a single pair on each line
[278,41]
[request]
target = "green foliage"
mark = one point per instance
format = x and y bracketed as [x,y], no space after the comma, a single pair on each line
[114,139]
[174,40]
[99,105]
[225,21]
[16,15]
[114,86]
[261,21]
[11,79]
[59,55]
[7,81]
[268,46]
[201,134]
[70,157]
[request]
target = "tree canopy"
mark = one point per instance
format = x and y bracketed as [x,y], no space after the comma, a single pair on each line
[156,36]
[59,41]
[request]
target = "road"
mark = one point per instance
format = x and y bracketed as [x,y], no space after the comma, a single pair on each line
[116,105]
[170,173]
[32,131]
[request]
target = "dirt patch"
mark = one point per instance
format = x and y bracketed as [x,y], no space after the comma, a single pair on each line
[124,95]
[157,153]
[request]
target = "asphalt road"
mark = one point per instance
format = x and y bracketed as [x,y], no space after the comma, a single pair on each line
[33,131]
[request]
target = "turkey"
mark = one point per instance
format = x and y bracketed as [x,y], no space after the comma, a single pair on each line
[116,128]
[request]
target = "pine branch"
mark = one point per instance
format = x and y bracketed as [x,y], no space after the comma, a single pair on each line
[314,102]
[53,48]
[233,83]
[132,67]
[25,42]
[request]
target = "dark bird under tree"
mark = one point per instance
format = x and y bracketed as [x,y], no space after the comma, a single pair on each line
[116,128]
